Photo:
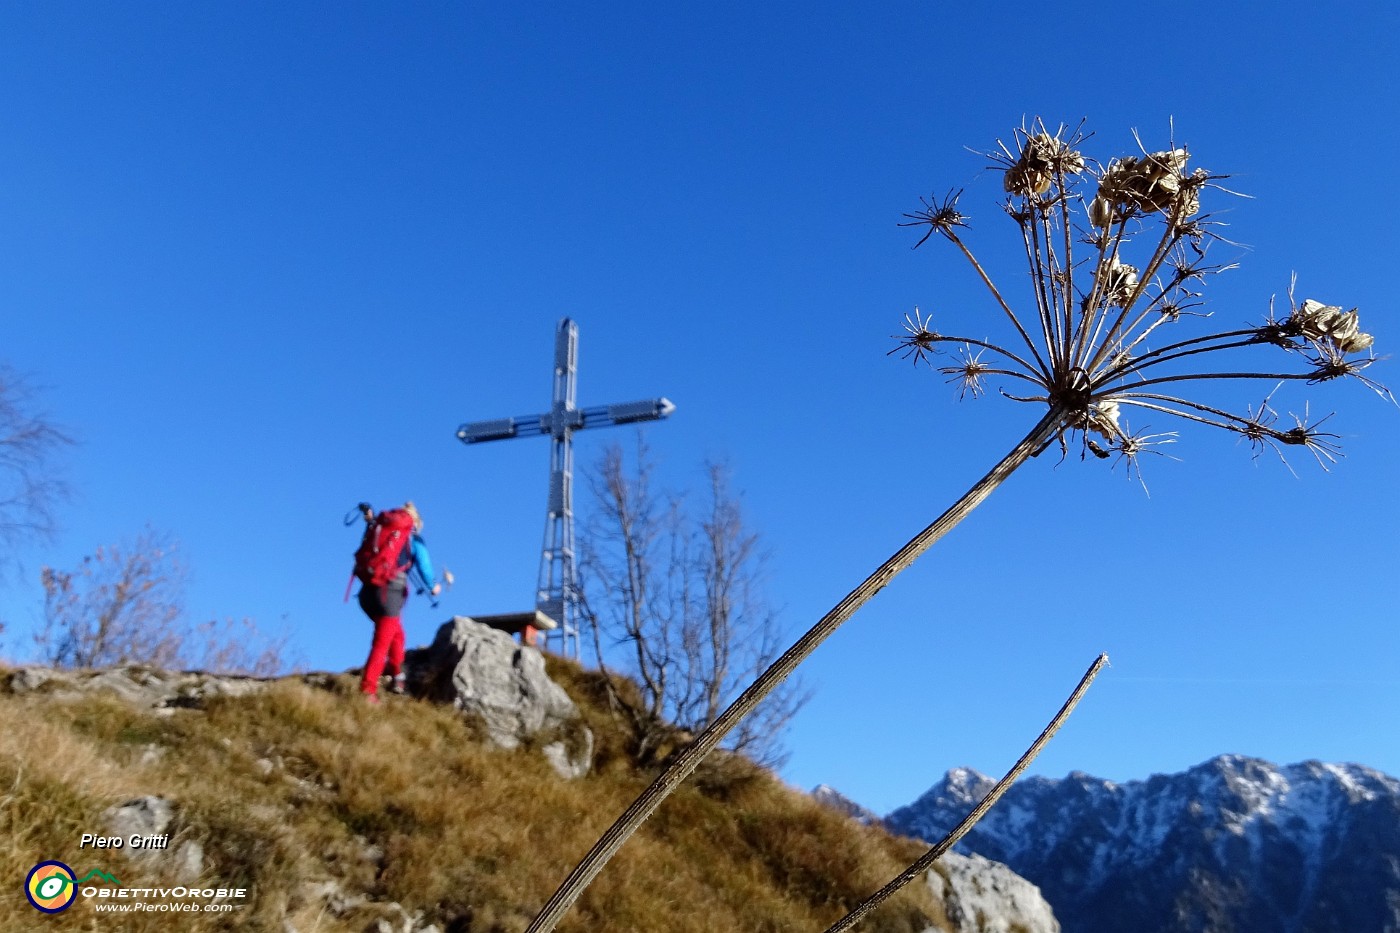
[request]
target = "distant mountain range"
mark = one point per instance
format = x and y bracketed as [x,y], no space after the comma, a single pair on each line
[1235,845]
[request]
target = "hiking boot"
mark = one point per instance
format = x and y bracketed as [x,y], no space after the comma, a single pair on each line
[398,685]
[371,699]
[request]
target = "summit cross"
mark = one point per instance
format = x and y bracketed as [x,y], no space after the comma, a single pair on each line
[556,593]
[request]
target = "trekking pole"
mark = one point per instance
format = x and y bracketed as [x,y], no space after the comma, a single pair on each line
[420,585]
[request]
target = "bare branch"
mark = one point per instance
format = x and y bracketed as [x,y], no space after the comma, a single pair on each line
[31,487]
[125,605]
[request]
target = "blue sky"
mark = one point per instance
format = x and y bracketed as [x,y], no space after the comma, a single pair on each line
[265,258]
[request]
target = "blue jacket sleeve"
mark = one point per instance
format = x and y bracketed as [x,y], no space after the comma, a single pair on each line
[423,563]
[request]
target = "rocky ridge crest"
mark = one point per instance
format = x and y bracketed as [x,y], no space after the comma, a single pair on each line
[1234,845]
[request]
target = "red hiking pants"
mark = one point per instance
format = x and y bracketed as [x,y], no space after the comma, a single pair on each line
[387,648]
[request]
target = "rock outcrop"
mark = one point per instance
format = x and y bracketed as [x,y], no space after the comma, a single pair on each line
[503,685]
[470,666]
[982,896]
[149,819]
[978,895]
[137,684]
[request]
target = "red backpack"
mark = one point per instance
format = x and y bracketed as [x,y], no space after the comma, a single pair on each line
[379,558]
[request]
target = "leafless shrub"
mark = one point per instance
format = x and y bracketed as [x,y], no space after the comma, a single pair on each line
[124,604]
[682,597]
[235,646]
[30,483]
[121,606]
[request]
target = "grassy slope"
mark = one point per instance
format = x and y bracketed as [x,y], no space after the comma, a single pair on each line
[404,804]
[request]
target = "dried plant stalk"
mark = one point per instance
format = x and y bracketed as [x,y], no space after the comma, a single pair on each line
[922,863]
[685,763]
[1088,346]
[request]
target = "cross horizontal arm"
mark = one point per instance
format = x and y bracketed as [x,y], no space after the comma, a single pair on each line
[564,419]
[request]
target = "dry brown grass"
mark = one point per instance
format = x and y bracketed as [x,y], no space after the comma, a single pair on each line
[301,785]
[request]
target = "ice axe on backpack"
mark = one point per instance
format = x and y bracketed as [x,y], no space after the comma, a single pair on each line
[362,510]
[369,545]
[365,511]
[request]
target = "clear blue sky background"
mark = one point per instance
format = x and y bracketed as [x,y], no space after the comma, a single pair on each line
[266,257]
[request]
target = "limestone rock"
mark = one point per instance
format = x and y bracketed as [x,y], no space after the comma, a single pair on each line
[484,673]
[978,895]
[982,896]
[187,862]
[152,817]
[135,684]
[144,816]
[570,763]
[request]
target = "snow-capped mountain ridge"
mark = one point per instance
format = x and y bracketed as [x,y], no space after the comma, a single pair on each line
[1234,844]
[831,797]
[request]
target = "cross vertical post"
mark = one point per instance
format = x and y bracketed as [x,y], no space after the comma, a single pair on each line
[556,591]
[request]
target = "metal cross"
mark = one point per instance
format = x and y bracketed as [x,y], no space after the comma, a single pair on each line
[556,594]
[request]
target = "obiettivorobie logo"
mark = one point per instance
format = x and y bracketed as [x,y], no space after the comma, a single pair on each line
[52,887]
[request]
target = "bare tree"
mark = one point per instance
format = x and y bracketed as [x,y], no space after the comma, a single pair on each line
[739,635]
[124,604]
[678,601]
[30,486]
[121,606]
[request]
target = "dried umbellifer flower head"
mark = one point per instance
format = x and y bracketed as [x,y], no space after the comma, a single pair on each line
[1101,212]
[1042,157]
[1320,322]
[1103,420]
[1145,185]
[1120,282]
[1095,336]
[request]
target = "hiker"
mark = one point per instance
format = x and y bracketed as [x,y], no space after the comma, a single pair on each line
[392,552]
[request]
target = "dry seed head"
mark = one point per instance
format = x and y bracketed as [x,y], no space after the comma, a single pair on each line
[1103,419]
[919,339]
[939,216]
[1100,212]
[1041,158]
[1191,193]
[1145,185]
[1120,281]
[967,375]
[1329,323]
[1322,444]
[1133,445]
